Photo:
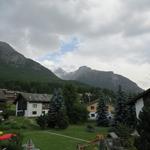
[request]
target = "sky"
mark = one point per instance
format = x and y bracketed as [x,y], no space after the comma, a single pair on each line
[109,35]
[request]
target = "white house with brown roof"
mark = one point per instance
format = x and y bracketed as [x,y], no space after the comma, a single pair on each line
[32,105]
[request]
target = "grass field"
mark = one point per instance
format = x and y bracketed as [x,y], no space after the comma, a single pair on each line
[53,139]
[46,141]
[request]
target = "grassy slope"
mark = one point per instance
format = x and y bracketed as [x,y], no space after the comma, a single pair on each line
[9,73]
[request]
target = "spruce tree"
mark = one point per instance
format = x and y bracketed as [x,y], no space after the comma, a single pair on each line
[121,109]
[102,112]
[57,112]
[143,128]
[75,111]
[131,119]
[70,97]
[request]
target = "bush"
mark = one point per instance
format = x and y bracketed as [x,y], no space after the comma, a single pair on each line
[124,133]
[42,121]
[62,120]
[14,144]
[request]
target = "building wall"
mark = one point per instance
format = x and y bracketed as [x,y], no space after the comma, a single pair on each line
[138,106]
[92,107]
[34,109]
[92,115]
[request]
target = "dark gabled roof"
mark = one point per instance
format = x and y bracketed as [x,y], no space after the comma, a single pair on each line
[133,101]
[32,97]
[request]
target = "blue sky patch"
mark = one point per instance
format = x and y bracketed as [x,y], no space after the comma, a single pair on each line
[70,45]
[65,47]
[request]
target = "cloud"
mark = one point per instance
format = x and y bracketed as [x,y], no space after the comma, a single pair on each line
[106,35]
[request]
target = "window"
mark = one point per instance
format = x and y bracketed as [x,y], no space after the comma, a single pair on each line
[92,115]
[34,112]
[92,107]
[34,105]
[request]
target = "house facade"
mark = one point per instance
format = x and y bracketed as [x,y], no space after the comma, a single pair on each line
[140,101]
[32,105]
[92,109]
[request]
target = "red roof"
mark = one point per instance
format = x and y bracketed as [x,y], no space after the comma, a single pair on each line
[6,136]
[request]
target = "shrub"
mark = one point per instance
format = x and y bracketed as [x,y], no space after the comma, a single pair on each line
[14,144]
[42,121]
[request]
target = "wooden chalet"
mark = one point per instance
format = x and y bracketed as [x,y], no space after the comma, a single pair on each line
[32,105]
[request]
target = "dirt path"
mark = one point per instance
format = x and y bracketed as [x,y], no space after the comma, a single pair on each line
[66,136]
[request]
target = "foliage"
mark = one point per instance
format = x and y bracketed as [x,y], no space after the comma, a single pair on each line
[14,144]
[16,123]
[124,132]
[6,111]
[121,112]
[76,112]
[57,116]
[102,112]
[143,128]
[131,119]
[42,121]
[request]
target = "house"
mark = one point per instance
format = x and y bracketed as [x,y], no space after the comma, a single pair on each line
[140,101]
[92,109]
[9,96]
[3,98]
[32,105]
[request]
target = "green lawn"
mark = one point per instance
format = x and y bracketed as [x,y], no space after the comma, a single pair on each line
[46,141]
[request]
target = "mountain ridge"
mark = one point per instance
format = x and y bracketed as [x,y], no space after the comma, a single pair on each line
[14,66]
[102,79]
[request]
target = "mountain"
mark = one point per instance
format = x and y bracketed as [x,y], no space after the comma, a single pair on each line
[16,67]
[60,72]
[102,79]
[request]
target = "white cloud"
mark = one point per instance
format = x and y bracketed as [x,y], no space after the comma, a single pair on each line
[114,34]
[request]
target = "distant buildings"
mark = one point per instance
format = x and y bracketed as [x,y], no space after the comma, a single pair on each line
[140,101]
[32,105]
[7,96]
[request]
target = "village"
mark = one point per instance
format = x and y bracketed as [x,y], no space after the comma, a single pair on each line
[74,75]
[24,114]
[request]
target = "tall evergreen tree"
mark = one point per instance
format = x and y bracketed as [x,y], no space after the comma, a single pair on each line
[75,111]
[70,97]
[120,110]
[102,112]
[57,112]
[131,119]
[143,128]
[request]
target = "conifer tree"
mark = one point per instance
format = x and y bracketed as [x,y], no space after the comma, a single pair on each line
[121,109]
[57,112]
[75,111]
[102,112]
[131,119]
